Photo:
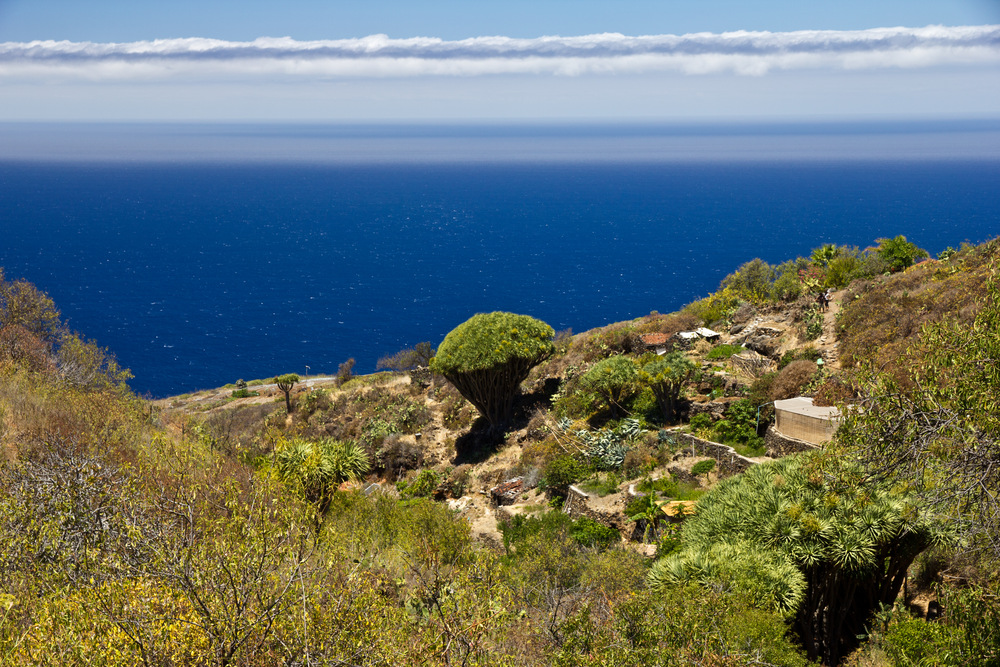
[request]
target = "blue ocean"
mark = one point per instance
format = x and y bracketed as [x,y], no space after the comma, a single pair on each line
[200,255]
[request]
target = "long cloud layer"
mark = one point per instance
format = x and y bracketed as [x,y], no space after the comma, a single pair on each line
[746,53]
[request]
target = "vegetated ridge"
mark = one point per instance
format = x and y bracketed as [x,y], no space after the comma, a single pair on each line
[382,519]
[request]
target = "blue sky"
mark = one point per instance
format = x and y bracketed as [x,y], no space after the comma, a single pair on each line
[482,61]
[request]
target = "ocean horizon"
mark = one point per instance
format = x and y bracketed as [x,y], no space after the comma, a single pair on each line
[204,253]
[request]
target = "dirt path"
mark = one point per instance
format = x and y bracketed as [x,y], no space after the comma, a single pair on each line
[827,343]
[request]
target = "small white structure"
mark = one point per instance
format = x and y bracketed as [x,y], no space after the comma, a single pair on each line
[798,418]
[707,333]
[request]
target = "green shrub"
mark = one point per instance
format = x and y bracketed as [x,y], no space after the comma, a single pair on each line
[243,393]
[751,282]
[601,486]
[787,287]
[703,467]
[589,533]
[560,473]
[813,323]
[806,353]
[521,527]
[841,271]
[786,533]
[644,407]
[615,379]
[607,448]
[717,307]
[914,641]
[664,485]
[585,532]
[899,253]
[723,351]
[423,485]
[700,422]
[739,429]
[316,469]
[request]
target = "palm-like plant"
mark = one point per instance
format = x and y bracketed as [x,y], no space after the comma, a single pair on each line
[811,537]
[318,468]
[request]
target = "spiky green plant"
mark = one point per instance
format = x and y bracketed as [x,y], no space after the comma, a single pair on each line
[615,379]
[318,468]
[806,535]
[666,376]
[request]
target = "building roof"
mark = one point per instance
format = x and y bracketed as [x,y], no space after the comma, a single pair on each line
[679,508]
[802,405]
[705,332]
[654,338]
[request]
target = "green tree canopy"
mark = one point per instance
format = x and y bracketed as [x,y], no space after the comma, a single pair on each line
[823,254]
[488,356]
[666,376]
[807,535]
[615,379]
[23,304]
[899,253]
[752,281]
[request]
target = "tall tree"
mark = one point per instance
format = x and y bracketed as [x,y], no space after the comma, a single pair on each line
[899,253]
[285,384]
[488,356]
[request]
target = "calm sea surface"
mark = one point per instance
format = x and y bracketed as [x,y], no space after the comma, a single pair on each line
[197,269]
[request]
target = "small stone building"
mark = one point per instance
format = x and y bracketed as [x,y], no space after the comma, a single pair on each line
[798,418]
[655,342]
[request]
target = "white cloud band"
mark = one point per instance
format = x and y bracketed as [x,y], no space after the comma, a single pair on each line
[745,53]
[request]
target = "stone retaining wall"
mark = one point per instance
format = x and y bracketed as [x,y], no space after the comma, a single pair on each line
[779,445]
[729,461]
[576,504]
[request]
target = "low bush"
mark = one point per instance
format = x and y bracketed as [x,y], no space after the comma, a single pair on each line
[585,532]
[243,393]
[560,473]
[807,353]
[700,422]
[723,351]
[703,467]
[792,379]
[601,485]
[589,533]
[424,485]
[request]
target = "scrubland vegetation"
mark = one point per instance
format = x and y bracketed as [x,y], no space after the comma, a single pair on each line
[416,516]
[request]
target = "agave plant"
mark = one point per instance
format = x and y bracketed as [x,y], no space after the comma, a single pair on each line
[607,448]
